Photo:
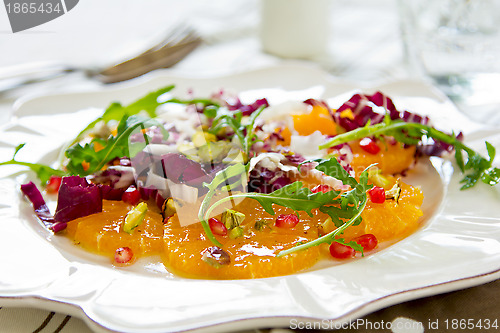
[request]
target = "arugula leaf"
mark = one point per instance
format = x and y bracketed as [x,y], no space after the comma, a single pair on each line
[340,215]
[42,171]
[221,178]
[352,244]
[352,204]
[116,111]
[471,163]
[294,196]
[333,168]
[299,198]
[349,200]
[244,132]
[251,137]
[92,157]
[232,121]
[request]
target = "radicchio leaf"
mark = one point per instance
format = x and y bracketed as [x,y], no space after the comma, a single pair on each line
[180,169]
[41,210]
[77,198]
[246,109]
[262,180]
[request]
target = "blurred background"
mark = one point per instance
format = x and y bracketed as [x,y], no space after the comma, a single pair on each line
[102,32]
[446,42]
[361,40]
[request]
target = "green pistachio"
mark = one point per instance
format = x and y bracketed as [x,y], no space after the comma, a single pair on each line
[216,257]
[261,224]
[394,192]
[236,232]
[214,151]
[135,217]
[232,218]
[376,177]
[170,206]
[327,226]
[235,155]
[201,138]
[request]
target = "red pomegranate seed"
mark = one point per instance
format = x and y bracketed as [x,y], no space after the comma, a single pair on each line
[217,227]
[321,188]
[377,194]
[123,255]
[53,184]
[370,146]
[367,241]
[131,195]
[286,221]
[341,251]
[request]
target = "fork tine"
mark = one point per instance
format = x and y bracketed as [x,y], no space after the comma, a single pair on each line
[165,56]
[179,34]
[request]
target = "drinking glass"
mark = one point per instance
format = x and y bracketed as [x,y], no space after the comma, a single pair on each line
[457,44]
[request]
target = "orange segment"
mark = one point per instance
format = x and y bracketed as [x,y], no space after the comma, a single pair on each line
[252,256]
[286,135]
[102,232]
[391,220]
[392,158]
[319,119]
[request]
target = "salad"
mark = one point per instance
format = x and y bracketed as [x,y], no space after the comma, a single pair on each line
[226,190]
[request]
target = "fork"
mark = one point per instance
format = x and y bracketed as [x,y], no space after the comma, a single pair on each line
[176,45]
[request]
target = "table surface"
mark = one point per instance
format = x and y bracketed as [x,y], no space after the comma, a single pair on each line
[364,45]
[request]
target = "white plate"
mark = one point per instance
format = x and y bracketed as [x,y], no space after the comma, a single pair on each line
[457,247]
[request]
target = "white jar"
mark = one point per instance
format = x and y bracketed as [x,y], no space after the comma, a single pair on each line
[294,28]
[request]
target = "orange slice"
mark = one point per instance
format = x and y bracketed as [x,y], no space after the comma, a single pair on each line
[319,119]
[252,255]
[391,220]
[392,158]
[103,232]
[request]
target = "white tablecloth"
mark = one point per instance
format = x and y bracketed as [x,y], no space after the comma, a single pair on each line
[364,46]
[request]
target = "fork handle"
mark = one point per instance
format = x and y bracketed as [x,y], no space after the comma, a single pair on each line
[30,74]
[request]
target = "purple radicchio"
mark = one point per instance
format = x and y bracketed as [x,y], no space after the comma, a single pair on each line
[364,108]
[263,180]
[172,166]
[77,198]
[179,169]
[268,178]
[41,210]
[114,181]
[233,103]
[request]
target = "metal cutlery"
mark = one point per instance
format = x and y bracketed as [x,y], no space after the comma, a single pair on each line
[173,48]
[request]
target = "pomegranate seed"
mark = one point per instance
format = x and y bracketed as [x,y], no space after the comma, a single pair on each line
[321,188]
[370,146]
[123,255]
[286,221]
[341,251]
[131,195]
[377,194]
[367,241]
[53,184]
[217,227]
